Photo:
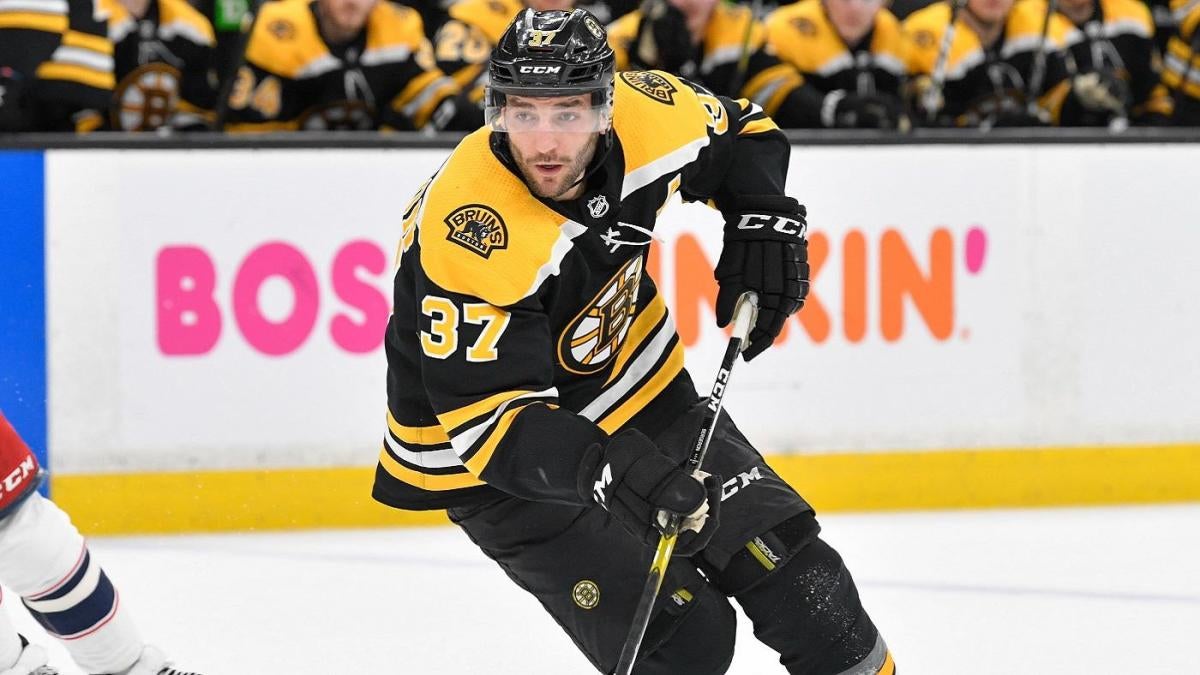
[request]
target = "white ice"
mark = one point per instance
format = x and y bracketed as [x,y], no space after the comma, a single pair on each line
[1040,592]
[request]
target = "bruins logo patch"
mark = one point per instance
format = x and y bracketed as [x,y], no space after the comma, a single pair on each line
[804,26]
[653,85]
[592,340]
[282,29]
[477,228]
[586,594]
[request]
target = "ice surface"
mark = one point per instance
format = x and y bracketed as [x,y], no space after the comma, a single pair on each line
[1054,592]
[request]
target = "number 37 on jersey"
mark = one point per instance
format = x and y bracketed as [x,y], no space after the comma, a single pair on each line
[442,339]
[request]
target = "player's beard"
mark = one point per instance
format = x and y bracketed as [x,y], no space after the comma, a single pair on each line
[573,169]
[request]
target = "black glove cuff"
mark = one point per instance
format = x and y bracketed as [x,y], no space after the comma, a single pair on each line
[766,217]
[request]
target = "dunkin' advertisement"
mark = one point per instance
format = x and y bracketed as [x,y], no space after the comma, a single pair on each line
[225,308]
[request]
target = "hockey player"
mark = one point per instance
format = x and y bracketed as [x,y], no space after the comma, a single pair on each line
[465,42]
[722,46]
[45,560]
[56,66]
[848,52]
[992,73]
[1181,70]
[1116,45]
[536,385]
[165,66]
[341,64]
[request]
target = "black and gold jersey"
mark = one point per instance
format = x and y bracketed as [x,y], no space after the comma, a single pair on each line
[1119,39]
[525,329]
[61,50]
[978,76]
[734,49]
[294,80]
[1181,66]
[465,42]
[164,65]
[803,36]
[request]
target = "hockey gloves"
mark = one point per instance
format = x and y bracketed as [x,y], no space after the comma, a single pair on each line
[848,110]
[766,252]
[634,480]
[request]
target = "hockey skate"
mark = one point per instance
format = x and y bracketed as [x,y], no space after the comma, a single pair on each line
[31,662]
[153,662]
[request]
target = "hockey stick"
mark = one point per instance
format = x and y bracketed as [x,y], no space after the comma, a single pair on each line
[931,98]
[222,111]
[744,315]
[1038,70]
[743,62]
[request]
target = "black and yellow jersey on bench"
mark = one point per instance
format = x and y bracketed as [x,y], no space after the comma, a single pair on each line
[731,38]
[1181,66]
[1119,39]
[525,329]
[164,64]
[977,76]
[293,79]
[464,43]
[60,48]
[803,36]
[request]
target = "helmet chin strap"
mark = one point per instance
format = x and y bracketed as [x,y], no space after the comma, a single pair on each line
[597,159]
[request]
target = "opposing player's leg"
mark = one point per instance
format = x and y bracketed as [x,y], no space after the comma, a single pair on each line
[45,560]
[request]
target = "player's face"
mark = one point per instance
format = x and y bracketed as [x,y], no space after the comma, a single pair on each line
[990,11]
[853,18]
[694,7]
[552,141]
[550,5]
[1075,5]
[347,16]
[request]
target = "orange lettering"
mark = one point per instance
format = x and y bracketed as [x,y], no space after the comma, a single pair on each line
[694,285]
[900,276]
[813,316]
[854,286]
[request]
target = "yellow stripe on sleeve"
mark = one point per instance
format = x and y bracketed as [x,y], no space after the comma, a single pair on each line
[74,73]
[95,43]
[454,419]
[47,23]
[431,435]
[480,459]
[426,481]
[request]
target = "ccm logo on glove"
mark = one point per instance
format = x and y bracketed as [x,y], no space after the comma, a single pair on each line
[780,224]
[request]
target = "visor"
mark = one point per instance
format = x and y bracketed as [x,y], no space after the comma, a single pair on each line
[526,117]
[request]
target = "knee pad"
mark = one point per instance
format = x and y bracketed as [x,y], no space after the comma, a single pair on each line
[808,609]
[694,634]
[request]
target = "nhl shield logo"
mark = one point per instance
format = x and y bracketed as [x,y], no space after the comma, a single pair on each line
[597,206]
[477,228]
[651,84]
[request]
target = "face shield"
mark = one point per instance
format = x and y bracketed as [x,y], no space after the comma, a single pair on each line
[560,114]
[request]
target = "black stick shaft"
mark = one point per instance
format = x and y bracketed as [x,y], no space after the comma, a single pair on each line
[666,544]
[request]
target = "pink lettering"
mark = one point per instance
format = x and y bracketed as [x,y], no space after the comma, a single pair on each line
[363,336]
[189,321]
[287,262]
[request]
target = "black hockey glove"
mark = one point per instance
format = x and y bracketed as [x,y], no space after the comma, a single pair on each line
[634,480]
[766,252]
[847,110]
[663,41]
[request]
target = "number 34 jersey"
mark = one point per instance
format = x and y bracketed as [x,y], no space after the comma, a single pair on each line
[524,329]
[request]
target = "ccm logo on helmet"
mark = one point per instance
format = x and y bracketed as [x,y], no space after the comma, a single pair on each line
[541,70]
[781,224]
